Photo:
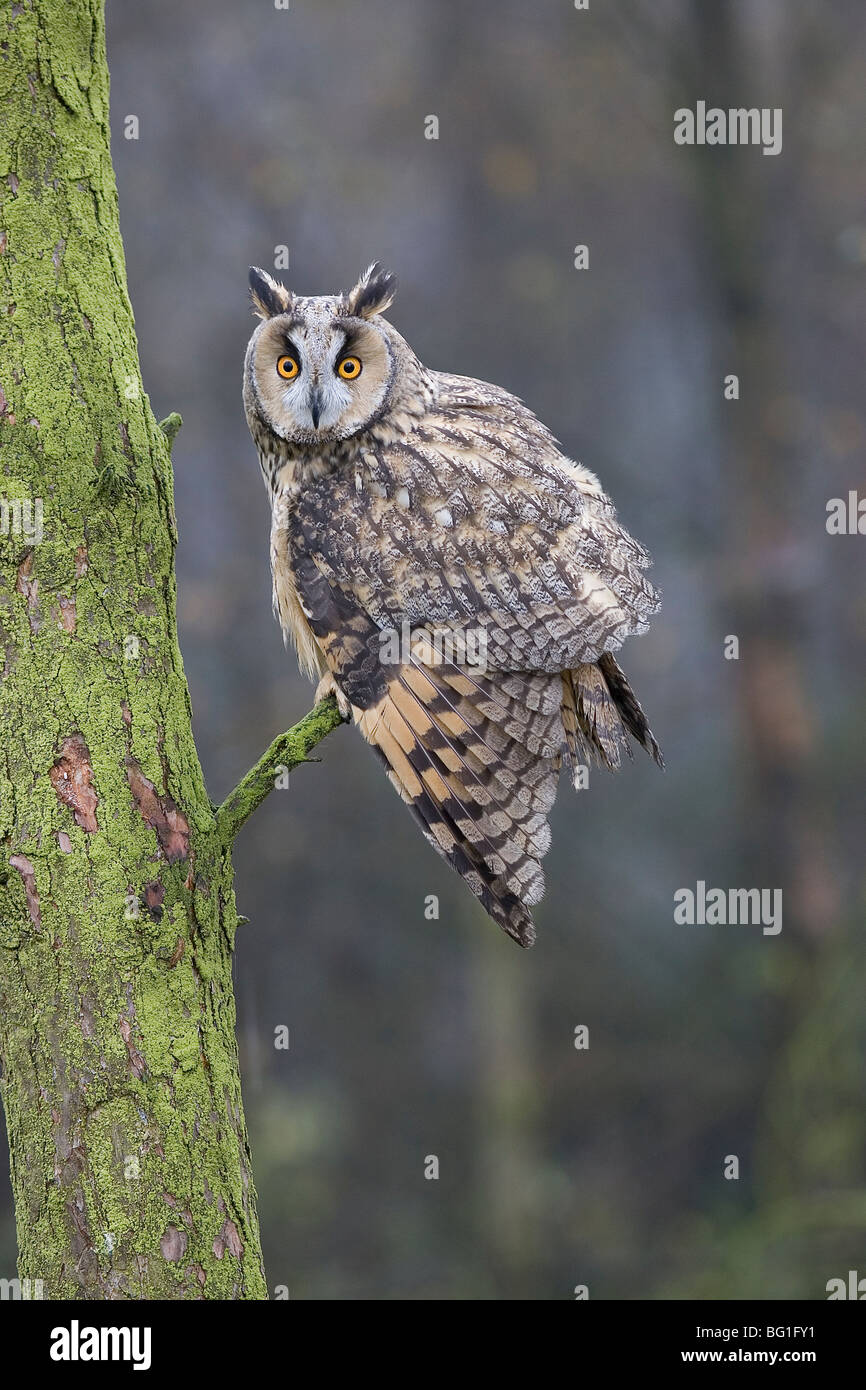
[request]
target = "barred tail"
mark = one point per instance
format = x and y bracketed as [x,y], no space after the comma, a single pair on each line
[599,708]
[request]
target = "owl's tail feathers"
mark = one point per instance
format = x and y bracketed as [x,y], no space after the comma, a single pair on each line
[477,767]
[629,707]
[598,708]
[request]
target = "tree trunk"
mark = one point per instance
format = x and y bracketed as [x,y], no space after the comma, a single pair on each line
[130,1161]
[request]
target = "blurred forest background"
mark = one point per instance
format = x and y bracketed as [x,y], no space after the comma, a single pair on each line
[605,1167]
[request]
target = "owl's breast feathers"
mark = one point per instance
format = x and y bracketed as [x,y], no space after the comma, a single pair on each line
[473,527]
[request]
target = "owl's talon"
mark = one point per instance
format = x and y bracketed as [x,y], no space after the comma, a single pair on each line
[328,686]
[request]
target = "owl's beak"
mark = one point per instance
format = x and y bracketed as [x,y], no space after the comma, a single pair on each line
[314,401]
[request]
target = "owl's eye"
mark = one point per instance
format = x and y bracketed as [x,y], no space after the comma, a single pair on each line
[287,367]
[349,367]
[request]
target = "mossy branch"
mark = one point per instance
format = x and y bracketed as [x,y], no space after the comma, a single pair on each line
[287,751]
[170,426]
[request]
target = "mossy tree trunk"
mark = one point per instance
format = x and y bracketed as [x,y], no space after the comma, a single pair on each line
[130,1162]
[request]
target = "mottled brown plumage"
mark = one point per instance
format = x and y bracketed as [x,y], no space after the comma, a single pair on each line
[442,566]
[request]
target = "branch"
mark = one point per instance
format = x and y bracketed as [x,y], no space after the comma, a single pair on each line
[287,751]
[170,426]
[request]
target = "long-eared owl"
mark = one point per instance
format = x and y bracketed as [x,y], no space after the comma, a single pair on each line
[446,571]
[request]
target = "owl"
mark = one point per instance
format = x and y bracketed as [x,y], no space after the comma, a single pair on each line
[448,573]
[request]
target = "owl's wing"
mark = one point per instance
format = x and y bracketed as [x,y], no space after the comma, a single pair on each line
[475,757]
[475,521]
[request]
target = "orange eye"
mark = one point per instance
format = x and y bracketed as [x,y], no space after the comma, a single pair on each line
[349,368]
[287,367]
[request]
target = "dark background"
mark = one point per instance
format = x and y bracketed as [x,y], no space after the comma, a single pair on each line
[411,1037]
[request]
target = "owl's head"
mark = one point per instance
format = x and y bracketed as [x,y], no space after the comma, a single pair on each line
[320,368]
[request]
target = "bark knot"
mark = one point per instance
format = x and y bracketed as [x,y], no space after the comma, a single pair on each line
[72,779]
[228,1239]
[28,874]
[160,813]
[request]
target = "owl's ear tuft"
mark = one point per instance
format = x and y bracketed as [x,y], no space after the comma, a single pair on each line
[373,293]
[268,295]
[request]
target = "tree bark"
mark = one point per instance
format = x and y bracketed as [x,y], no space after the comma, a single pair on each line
[130,1161]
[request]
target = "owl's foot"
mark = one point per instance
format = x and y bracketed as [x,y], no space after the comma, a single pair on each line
[328,686]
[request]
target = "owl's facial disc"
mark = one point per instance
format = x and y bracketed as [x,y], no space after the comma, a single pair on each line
[320,375]
[310,391]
